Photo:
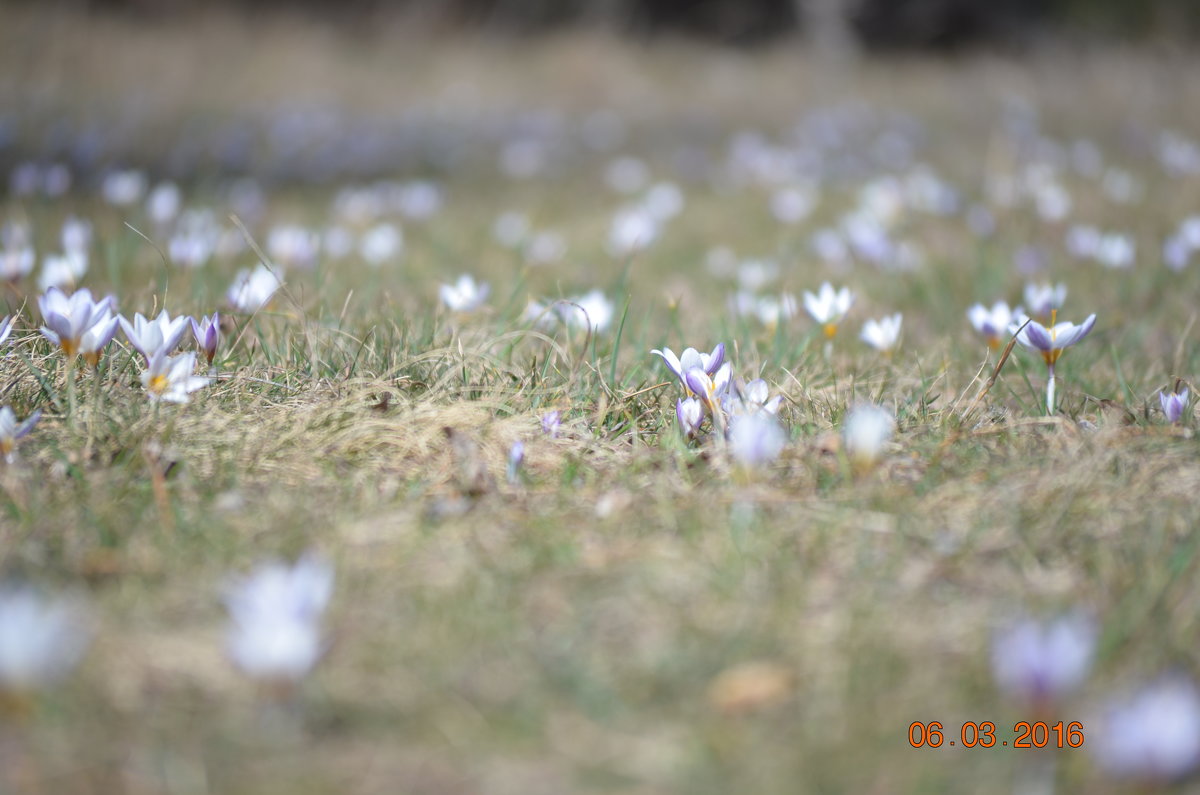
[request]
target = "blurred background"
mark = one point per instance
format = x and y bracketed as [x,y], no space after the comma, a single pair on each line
[874,24]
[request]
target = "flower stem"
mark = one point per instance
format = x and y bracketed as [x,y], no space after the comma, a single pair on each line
[1050,392]
[71,397]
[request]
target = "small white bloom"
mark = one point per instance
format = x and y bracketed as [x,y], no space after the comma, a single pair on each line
[123,188]
[62,271]
[16,262]
[293,245]
[164,203]
[755,439]
[633,229]
[148,337]
[41,639]
[276,613]
[828,306]
[170,378]
[465,295]
[1042,298]
[866,431]
[591,311]
[992,323]
[252,290]
[381,243]
[882,334]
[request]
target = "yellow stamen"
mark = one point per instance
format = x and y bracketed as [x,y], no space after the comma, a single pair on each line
[1051,356]
[158,384]
[994,343]
[92,358]
[830,330]
[69,347]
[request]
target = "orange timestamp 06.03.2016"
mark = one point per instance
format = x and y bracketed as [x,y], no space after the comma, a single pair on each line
[1025,734]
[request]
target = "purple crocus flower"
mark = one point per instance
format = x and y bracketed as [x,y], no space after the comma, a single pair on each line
[692,359]
[1152,735]
[992,323]
[12,431]
[755,439]
[1050,343]
[1039,662]
[690,413]
[552,423]
[208,333]
[516,457]
[69,318]
[96,339]
[1173,405]
[6,327]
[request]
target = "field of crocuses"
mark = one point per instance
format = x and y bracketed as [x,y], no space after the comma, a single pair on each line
[595,419]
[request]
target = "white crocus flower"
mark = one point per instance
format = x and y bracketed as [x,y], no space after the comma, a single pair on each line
[692,359]
[170,378]
[828,306]
[591,311]
[149,337]
[276,613]
[1042,299]
[752,398]
[16,262]
[992,323]
[882,334]
[866,431]
[755,439]
[252,290]
[41,640]
[62,270]
[465,295]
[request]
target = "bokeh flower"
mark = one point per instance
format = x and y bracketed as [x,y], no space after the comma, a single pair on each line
[755,439]
[253,290]
[1152,735]
[882,334]
[828,306]
[1044,299]
[465,295]
[276,612]
[992,323]
[41,640]
[1040,662]
[866,431]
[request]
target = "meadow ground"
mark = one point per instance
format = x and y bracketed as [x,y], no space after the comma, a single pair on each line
[635,612]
